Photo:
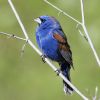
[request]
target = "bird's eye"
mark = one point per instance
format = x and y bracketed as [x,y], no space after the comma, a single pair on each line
[42,20]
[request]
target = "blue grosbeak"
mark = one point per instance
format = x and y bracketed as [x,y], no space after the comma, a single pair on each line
[53,44]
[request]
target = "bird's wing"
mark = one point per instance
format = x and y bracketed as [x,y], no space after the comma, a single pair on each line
[64,48]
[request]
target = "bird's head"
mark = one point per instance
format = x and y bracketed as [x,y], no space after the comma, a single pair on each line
[42,19]
[46,24]
[46,20]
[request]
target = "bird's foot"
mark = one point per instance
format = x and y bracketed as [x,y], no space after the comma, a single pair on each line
[43,58]
[58,71]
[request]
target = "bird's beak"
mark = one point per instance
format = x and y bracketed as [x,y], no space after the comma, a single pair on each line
[37,20]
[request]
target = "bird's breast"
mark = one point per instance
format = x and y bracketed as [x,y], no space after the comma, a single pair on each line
[49,47]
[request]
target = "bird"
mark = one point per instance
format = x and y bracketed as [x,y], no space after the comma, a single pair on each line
[53,44]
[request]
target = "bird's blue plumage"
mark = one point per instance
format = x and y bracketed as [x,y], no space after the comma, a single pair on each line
[46,42]
[53,44]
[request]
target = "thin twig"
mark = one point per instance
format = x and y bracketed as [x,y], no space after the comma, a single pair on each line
[96,92]
[80,23]
[17,37]
[83,35]
[34,47]
[60,10]
[23,48]
[12,35]
[87,34]
[82,11]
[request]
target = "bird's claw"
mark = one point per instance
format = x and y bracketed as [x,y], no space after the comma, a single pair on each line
[58,71]
[43,58]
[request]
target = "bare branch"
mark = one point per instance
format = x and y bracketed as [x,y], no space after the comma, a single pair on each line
[23,48]
[96,91]
[60,10]
[12,35]
[81,32]
[87,35]
[19,38]
[82,11]
[19,21]
[80,23]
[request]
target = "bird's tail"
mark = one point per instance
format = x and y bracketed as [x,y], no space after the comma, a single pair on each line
[65,68]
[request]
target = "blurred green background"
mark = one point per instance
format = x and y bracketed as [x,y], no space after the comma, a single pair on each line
[27,77]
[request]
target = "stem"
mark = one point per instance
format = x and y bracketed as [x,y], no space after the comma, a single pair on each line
[87,34]
[12,35]
[60,10]
[18,19]
[82,11]
[91,45]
